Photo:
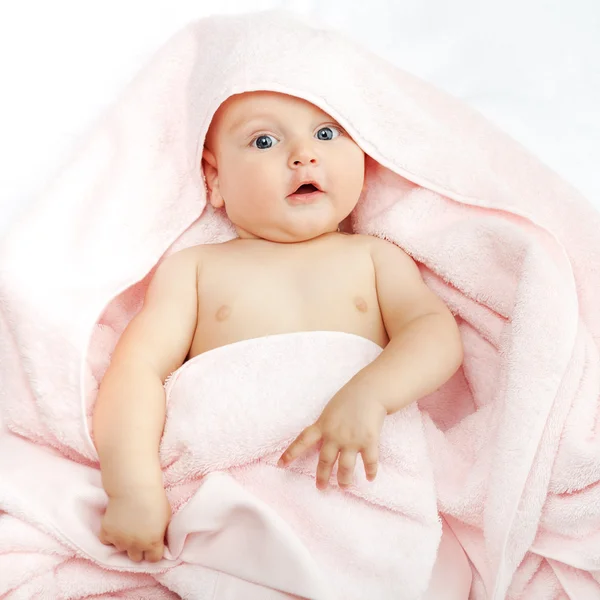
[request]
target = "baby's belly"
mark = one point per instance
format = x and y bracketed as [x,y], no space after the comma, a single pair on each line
[225,323]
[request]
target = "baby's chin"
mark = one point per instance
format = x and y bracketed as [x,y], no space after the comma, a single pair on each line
[293,226]
[302,232]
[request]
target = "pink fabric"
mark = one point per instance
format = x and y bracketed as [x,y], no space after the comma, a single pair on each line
[507,451]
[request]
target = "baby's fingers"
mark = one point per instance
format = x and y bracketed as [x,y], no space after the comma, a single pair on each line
[155,553]
[309,437]
[104,538]
[109,540]
[327,458]
[135,554]
[370,457]
[346,465]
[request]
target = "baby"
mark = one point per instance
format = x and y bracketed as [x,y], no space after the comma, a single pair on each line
[287,175]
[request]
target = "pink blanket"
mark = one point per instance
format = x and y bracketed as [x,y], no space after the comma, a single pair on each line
[507,451]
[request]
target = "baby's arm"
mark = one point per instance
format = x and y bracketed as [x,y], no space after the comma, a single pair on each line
[129,413]
[425,347]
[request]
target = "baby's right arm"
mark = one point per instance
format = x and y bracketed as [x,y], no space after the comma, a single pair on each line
[129,413]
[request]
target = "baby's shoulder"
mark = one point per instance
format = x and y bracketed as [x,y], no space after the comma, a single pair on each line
[376,243]
[386,255]
[197,252]
[185,255]
[362,240]
[185,260]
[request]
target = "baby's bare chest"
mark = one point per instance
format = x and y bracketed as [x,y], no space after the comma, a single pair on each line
[257,294]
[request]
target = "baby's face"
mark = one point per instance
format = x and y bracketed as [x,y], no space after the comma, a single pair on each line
[258,145]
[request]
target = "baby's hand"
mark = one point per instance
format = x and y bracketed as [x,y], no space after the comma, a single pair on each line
[136,522]
[349,424]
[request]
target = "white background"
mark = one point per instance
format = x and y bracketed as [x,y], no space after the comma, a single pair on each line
[531,66]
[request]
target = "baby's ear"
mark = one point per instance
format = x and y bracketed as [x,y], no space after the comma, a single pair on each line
[209,168]
[208,164]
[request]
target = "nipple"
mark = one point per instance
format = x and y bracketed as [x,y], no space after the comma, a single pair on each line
[361,304]
[223,313]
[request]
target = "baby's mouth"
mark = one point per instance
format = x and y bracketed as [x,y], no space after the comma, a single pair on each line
[307,188]
[305,194]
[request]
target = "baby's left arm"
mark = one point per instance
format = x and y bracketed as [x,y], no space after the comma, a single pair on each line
[425,347]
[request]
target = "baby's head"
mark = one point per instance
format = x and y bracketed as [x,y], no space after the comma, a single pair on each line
[259,145]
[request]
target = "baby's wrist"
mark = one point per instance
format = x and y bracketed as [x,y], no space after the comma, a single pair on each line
[134,481]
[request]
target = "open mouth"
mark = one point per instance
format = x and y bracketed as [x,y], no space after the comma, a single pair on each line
[305,194]
[307,188]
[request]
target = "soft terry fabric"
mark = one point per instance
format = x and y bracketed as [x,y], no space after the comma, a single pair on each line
[509,448]
[230,412]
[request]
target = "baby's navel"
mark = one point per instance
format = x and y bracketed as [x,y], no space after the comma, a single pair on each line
[361,304]
[223,313]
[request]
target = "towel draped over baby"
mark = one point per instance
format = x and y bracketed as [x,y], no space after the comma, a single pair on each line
[507,451]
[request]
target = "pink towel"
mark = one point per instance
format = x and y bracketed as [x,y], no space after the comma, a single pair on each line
[507,451]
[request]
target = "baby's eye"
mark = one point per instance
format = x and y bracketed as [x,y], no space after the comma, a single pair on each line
[263,136]
[327,128]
